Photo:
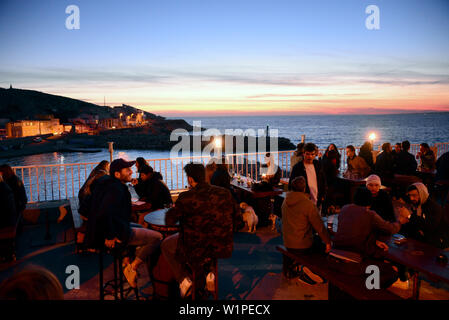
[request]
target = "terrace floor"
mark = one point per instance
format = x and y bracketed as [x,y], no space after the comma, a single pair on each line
[254,272]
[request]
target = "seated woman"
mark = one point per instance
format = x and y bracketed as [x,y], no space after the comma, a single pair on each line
[381,201]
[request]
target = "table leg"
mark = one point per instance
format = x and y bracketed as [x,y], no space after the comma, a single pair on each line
[416,285]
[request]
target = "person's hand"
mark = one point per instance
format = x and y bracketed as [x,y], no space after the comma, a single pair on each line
[111,243]
[382,245]
[328,247]
[404,215]
[134,181]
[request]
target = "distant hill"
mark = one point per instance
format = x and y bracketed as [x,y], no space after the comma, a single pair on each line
[16,104]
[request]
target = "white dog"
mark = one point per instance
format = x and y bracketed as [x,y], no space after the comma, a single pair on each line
[249,216]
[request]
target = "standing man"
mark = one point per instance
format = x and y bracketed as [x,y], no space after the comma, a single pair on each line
[311,170]
[110,215]
[405,162]
[207,216]
[427,158]
[384,166]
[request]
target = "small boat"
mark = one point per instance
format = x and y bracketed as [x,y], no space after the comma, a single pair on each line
[75,149]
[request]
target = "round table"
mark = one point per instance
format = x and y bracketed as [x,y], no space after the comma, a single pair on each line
[156,221]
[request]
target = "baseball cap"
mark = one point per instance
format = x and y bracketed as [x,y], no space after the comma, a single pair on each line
[119,164]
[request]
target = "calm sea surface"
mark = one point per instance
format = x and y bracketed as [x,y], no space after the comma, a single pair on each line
[322,130]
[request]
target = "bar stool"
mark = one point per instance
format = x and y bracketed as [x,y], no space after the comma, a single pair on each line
[116,284]
[199,274]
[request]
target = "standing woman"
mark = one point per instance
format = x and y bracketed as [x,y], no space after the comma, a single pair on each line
[335,155]
[17,187]
[367,154]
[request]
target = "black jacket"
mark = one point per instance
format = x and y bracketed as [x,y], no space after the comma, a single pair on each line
[299,170]
[384,166]
[405,163]
[443,167]
[8,216]
[110,212]
[383,206]
[154,191]
[429,227]
[20,195]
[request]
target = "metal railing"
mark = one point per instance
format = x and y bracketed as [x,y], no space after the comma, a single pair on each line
[63,181]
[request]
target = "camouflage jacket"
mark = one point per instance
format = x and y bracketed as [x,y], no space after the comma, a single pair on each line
[207,215]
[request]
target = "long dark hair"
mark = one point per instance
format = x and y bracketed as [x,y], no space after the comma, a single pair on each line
[7,171]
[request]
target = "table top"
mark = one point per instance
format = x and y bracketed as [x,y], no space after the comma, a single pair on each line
[140,206]
[255,194]
[157,218]
[420,257]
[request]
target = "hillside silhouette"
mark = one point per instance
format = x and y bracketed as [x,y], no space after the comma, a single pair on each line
[18,104]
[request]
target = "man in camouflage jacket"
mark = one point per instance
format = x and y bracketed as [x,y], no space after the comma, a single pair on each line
[207,215]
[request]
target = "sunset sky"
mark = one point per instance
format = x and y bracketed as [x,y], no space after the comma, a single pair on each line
[179,58]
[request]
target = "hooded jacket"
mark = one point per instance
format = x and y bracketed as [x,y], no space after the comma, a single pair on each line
[299,218]
[426,222]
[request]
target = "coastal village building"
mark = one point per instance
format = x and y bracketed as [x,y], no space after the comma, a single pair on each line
[29,128]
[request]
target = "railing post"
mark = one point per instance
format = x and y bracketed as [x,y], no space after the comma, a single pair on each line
[111,150]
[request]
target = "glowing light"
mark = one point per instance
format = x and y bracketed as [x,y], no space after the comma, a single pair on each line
[372,136]
[218,142]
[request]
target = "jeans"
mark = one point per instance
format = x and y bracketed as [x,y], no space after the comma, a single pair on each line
[168,248]
[147,242]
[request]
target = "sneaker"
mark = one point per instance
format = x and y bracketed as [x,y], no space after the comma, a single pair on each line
[185,286]
[403,285]
[130,275]
[210,282]
[304,278]
[312,275]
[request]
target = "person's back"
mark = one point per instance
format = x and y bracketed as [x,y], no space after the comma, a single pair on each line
[405,163]
[442,166]
[221,178]
[159,194]
[8,216]
[384,166]
[299,218]
[110,211]
[207,214]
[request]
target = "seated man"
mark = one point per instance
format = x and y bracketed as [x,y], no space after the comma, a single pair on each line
[109,218]
[358,228]
[300,218]
[381,202]
[153,190]
[357,166]
[426,221]
[207,215]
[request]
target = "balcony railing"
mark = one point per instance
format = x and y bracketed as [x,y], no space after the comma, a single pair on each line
[63,181]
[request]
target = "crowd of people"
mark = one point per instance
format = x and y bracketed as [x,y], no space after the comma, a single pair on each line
[372,211]
[209,212]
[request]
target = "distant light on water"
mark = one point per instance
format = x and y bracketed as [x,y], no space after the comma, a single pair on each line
[372,136]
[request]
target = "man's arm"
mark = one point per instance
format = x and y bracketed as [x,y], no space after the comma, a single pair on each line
[318,225]
[382,225]
[174,214]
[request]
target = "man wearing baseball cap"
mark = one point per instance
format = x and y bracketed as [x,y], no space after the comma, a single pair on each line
[110,215]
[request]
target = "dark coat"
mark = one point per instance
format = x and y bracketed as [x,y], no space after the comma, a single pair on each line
[299,170]
[8,216]
[110,212]
[443,167]
[154,191]
[383,206]
[20,195]
[384,166]
[207,215]
[405,163]
[429,227]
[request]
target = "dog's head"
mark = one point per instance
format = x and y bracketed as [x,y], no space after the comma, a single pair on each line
[243,205]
